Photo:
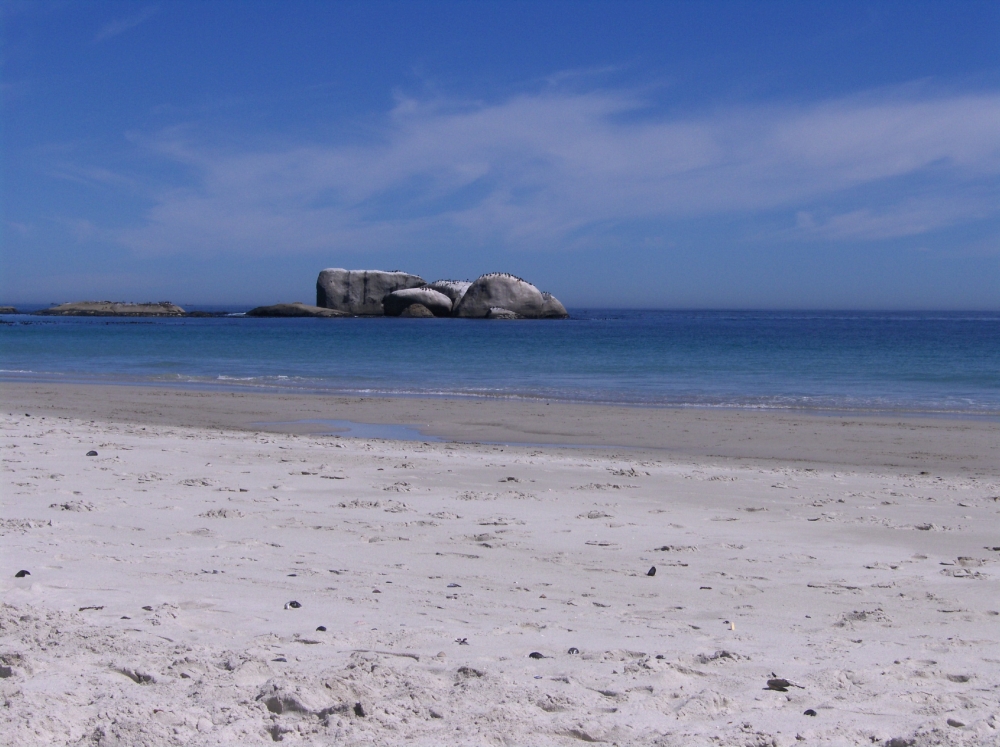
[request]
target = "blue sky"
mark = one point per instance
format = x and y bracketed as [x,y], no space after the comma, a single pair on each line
[664,155]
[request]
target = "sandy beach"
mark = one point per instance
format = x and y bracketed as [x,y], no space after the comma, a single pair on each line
[223,573]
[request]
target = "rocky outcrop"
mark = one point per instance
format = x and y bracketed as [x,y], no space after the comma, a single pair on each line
[360,292]
[454,289]
[437,303]
[503,291]
[417,311]
[113,308]
[552,308]
[7,310]
[294,309]
[496,312]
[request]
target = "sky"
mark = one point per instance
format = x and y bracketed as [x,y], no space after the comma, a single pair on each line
[617,154]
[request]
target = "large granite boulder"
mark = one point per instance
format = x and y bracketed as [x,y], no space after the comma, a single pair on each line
[396,302]
[113,308]
[454,289]
[360,292]
[295,309]
[504,291]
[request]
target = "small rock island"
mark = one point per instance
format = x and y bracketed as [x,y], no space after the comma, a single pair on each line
[497,295]
[113,308]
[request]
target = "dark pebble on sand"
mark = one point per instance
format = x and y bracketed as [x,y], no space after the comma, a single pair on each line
[148,608]
[292,605]
[91,453]
[321,629]
[22,574]
[808,712]
[651,571]
[705,587]
[454,586]
[573,650]
[535,655]
[956,724]
[359,710]
[781,685]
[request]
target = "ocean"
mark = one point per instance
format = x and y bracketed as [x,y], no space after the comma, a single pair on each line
[931,363]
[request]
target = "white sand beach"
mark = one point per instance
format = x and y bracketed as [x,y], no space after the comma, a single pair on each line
[466,593]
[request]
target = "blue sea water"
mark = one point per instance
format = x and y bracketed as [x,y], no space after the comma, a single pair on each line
[824,361]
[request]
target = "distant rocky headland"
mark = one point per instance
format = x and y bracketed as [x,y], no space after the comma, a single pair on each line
[342,293]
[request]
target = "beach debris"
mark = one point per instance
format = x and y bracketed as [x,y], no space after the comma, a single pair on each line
[321,629]
[780,684]
[536,655]
[22,574]
[462,641]
[91,453]
[92,607]
[509,479]
[808,712]
[293,605]
[651,571]
[573,650]
[148,608]
[454,586]
[359,710]
[709,588]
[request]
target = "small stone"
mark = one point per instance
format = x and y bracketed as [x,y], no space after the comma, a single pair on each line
[22,574]
[293,605]
[148,608]
[359,710]
[535,655]
[808,712]
[91,453]
[321,629]
[956,724]
[573,650]
[435,714]
[779,684]
[454,586]
[651,571]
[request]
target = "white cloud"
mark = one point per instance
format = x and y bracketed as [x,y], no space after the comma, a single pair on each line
[121,25]
[545,169]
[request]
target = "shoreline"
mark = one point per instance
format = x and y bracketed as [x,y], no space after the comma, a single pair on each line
[225,385]
[918,442]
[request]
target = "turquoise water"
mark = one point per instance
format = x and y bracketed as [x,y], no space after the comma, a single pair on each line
[911,362]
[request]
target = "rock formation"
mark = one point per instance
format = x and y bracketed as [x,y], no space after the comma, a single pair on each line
[7,310]
[499,290]
[417,311]
[294,309]
[360,292]
[552,308]
[454,289]
[374,293]
[113,308]
[437,303]
[497,312]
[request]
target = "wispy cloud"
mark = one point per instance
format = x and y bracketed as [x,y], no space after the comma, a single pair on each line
[555,169]
[121,25]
